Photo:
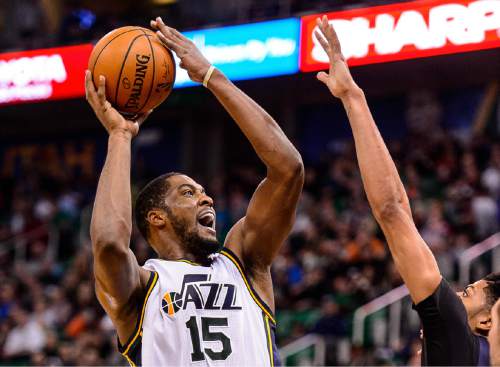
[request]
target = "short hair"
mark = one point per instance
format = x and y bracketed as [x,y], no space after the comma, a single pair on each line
[492,290]
[149,198]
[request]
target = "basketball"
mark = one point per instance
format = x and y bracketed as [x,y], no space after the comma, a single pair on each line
[139,69]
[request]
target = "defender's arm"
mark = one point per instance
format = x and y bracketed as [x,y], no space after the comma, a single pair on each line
[383,187]
[118,277]
[389,202]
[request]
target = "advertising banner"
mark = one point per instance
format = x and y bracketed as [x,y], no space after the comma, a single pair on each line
[405,31]
[248,51]
[242,52]
[368,35]
[46,74]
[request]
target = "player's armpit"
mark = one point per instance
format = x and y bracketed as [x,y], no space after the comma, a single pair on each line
[269,218]
[124,316]
[412,257]
[120,282]
[257,238]
[118,275]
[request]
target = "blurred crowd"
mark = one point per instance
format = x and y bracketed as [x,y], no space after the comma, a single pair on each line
[336,258]
[334,261]
[30,24]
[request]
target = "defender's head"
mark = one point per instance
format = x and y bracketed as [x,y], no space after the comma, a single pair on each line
[478,299]
[174,209]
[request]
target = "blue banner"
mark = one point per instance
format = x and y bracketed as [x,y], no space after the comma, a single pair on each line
[248,51]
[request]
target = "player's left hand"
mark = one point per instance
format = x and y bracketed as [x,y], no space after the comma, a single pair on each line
[191,58]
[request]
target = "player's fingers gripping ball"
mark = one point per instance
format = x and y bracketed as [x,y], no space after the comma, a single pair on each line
[139,69]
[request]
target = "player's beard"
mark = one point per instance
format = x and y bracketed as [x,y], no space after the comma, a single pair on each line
[195,244]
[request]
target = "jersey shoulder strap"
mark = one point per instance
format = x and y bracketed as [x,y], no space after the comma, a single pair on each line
[231,256]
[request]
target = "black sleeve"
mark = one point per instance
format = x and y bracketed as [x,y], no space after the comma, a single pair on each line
[448,339]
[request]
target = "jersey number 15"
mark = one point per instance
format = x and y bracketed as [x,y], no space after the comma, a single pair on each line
[208,336]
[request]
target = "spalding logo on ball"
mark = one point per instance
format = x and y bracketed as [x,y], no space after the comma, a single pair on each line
[139,69]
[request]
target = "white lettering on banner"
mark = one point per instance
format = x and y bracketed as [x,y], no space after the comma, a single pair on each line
[454,23]
[30,78]
[26,93]
[252,50]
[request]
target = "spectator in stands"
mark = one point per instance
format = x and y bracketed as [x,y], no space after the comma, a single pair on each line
[26,337]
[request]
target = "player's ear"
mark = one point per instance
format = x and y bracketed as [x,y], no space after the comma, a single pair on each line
[483,323]
[156,218]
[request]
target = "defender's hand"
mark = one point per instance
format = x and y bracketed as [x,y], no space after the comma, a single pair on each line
[191,58]
[338,79]
[110,118]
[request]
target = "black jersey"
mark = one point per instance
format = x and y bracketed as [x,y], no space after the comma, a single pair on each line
[448,339]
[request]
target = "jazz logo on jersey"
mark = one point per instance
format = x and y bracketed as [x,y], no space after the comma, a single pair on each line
[202,294]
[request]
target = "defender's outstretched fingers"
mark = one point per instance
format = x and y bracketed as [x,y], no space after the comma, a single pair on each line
[323,33]
[331,36]
[322,77]
[326,30]
[322,42]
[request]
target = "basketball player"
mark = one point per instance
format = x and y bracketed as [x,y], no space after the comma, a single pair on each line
[199,303]
[455,325]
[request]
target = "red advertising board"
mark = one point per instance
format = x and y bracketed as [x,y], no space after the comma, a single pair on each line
[405,31]
[46,74]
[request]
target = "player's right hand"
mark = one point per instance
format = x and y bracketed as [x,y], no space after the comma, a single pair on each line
[109,117]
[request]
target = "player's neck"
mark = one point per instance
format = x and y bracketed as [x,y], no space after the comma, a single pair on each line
[176,256]
[166,245]
[169,247]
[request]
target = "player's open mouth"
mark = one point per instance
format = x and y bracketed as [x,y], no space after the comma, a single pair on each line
[207,219]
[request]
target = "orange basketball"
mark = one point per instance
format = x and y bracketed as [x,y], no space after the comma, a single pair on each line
[139,69]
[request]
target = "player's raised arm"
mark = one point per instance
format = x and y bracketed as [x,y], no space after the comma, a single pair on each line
[118,277]
[271,211]
[383,187]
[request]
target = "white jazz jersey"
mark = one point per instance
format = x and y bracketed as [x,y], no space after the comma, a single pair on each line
[197,315]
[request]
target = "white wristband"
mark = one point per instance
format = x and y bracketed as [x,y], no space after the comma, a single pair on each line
[208,75]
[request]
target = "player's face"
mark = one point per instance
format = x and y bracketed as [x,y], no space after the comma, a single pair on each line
[191,212]
[473,297]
